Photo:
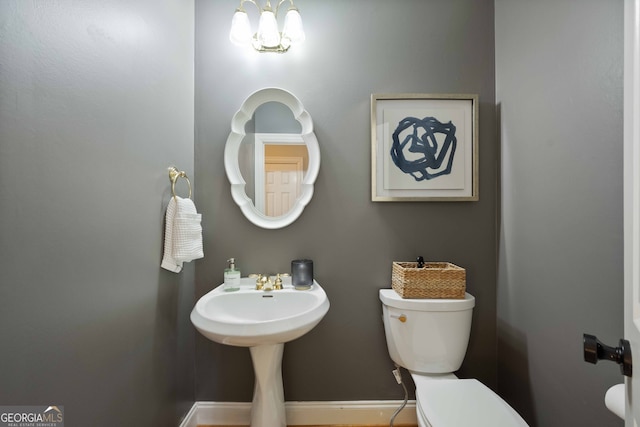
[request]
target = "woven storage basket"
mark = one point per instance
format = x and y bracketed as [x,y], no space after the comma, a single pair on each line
[434,280]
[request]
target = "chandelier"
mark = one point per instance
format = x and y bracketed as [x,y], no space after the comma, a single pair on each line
[268,38]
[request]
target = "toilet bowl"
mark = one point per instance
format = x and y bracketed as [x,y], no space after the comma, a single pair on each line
[429,338]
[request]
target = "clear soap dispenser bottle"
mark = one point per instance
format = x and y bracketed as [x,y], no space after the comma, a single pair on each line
[231,276]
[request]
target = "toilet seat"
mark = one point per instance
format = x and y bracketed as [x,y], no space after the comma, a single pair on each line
[462,402]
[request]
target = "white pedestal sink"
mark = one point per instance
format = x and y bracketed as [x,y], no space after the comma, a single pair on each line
[263,321]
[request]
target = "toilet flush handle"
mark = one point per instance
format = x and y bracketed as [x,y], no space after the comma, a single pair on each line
[400,317]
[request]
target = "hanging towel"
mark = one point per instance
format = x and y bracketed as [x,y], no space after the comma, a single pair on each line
[187,231]
[168,261]
[183,234]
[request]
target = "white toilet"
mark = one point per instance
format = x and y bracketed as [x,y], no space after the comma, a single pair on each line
[429,338]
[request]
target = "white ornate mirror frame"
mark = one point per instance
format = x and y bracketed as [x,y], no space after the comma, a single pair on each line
[232,150]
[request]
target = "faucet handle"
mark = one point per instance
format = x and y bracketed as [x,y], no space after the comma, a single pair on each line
[278,281]
[258,277]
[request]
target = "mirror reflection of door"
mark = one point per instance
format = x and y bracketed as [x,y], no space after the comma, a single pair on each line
[281,163]
[283,176]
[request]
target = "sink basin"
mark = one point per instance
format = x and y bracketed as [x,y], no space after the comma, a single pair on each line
[248,317]
[262,321]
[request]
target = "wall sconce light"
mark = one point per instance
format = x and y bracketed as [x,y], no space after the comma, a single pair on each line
[267,38]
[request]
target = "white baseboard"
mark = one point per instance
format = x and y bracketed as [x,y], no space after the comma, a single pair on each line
[191,419]
[360,412]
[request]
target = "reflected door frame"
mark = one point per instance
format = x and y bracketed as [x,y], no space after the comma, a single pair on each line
[261,140]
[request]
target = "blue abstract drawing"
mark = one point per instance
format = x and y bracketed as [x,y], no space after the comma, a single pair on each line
[421,140]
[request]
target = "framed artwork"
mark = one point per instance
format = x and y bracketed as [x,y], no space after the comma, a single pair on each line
[424,147]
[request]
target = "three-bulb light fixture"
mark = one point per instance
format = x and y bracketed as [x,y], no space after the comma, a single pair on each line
[268,38]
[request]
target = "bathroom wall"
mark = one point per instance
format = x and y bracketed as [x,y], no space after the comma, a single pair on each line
[559,66]
[96,102]
[353,49]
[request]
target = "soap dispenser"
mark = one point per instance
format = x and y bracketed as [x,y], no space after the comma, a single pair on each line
[231,276]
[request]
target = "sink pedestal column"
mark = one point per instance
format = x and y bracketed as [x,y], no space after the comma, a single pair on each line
[267,409]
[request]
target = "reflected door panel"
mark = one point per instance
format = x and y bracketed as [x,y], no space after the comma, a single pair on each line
[287,155]
[282,184]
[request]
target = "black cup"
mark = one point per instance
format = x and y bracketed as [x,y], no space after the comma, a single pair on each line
[302,273]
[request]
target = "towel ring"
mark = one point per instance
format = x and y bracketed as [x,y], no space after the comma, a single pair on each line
[174,174]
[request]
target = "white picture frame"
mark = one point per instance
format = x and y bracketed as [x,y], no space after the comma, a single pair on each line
[424,147]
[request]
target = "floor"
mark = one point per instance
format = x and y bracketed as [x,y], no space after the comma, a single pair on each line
[341,425]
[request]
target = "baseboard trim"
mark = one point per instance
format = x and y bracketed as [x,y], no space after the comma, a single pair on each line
[191,418]
[358,412]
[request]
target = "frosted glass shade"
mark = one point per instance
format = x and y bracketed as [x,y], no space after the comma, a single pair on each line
[268,34]
[293,30]
[240,33]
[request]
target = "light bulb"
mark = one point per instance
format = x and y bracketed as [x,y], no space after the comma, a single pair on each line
[240,33]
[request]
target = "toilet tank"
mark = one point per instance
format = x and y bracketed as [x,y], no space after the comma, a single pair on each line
[427,336]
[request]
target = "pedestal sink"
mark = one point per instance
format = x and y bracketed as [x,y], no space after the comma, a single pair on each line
[262,321]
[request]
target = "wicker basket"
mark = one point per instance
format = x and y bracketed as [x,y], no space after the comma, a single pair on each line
[434,280]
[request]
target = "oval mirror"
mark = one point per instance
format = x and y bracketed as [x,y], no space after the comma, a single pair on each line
[272,158]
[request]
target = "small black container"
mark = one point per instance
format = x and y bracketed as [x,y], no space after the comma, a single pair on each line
[302,273]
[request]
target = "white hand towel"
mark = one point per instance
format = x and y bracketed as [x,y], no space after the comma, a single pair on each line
[187,232]
[183,234]
[168,262]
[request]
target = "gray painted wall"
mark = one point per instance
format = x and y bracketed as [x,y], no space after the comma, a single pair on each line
[353,49]
[96,101]
[559,93]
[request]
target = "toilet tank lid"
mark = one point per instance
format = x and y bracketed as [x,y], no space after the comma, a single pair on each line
[392,299]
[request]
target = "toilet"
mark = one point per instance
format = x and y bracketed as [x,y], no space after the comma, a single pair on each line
[429,338]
